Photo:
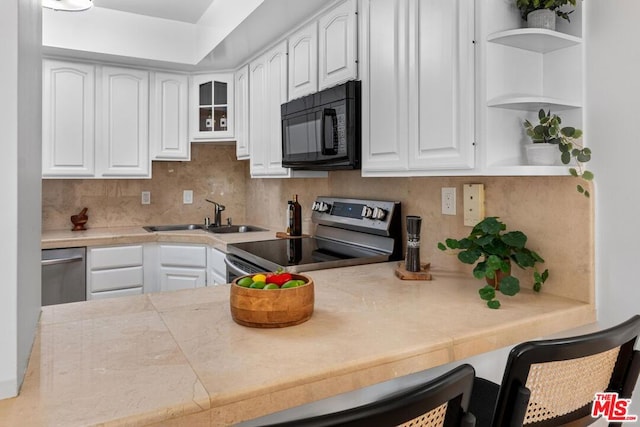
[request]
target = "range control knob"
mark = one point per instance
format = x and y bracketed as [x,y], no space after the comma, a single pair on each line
[320,207]
[379,213]
[367,212]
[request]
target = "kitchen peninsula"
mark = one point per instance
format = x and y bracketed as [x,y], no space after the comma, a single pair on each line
[177,358]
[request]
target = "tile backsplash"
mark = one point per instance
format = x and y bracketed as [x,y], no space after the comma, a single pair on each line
[558,220]
[213,173]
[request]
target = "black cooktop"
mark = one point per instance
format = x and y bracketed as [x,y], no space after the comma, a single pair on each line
[302,254]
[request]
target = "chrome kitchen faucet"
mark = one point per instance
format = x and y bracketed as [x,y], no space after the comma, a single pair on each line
[217,213]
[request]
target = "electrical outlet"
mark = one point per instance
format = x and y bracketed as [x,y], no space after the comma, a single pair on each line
[187,197]
[448,201]
[146,198]
[473,203]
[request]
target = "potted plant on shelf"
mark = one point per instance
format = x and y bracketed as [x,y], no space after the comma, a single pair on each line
[494,250]
[542,13]
[547,135]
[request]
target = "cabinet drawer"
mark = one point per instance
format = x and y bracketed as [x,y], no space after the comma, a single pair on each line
[173,279]
[115,257]
[114,294]
[183,256]
[119,278]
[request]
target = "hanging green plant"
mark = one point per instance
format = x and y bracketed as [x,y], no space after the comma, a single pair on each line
[549,131]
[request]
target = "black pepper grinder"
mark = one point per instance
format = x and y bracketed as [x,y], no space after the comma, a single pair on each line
[412,261]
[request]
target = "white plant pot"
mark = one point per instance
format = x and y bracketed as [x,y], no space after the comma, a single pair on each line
[542,18]
[542,154]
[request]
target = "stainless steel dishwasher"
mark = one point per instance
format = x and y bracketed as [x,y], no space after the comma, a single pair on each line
[63,275]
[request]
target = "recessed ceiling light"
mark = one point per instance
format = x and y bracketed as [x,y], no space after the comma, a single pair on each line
[68,5]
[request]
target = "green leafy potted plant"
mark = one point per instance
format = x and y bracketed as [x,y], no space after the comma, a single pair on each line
[494,250]
[549,133]
[542,13]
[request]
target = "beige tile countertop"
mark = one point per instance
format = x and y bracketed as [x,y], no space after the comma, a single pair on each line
[178,358]
[136,234]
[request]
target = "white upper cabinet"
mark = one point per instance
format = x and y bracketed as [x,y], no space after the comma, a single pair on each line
[212,107]
[303,61]
[68,119]
[441,96]
[338,45]
[417,87]
[124,121]
[241,112]
[95,121]
[268,80]
[168,120]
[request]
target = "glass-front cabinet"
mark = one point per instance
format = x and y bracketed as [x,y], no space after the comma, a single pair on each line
[212,107]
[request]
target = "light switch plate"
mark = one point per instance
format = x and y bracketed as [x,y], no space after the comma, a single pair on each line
[473,195]
[146,198]
[187,197]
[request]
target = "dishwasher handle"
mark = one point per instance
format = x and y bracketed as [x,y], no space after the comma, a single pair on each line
[56,261]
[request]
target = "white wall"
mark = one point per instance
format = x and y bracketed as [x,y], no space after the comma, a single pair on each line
[613,112]
[20,139]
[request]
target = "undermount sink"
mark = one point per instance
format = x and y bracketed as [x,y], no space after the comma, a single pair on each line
[234,229]
[176,227]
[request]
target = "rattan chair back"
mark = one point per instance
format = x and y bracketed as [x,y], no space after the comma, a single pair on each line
[554,382]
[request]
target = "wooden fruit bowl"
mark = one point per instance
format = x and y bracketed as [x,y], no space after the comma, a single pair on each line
[272,308]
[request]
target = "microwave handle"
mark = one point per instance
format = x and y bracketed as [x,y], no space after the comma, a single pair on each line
[329,132]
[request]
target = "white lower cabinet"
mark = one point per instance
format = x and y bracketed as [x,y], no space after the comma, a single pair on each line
[182,266]
[117,293]
[217,267]
[114,271]
[177,278]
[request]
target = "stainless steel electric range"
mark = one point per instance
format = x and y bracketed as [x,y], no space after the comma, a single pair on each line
[347,232]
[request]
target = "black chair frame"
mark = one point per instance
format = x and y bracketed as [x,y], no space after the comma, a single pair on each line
[453,387]
[513,396]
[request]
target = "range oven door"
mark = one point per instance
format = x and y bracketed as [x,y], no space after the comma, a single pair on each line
[237,267]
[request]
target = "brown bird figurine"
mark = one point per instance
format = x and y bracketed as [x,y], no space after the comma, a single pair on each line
[79,220]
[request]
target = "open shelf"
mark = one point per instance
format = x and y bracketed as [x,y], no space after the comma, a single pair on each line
[532,103]
[534,39]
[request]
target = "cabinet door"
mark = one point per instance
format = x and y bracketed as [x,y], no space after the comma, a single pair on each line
[276,88]
[68,118]
[217,267]
[212,106]
[241,112]
[168,127]
[175,278]
[385,74]
[268,79]
[303,61]
[417,87]
[338,45]
[124,118]
[442,90]
[257,119]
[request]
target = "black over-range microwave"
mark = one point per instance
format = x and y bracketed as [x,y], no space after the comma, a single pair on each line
[321,131]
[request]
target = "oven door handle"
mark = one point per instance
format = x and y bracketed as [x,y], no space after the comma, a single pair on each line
[234,268]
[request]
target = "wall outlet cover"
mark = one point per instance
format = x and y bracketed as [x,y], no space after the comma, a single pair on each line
[187,197]
[448,200]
